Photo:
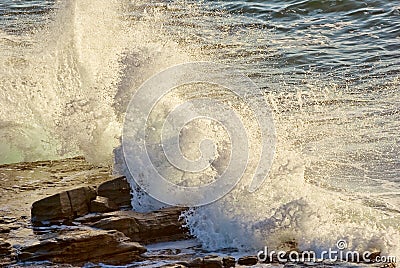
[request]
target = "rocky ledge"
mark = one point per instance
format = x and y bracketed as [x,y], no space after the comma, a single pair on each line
[69,213]
[95,224]
[83,245]
[65,206]
[76,222]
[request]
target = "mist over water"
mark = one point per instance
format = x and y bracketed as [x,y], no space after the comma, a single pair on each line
[66,84]
[329,70]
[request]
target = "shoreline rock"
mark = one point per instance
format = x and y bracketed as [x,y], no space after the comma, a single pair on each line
[5,253]
[63,206]
[157,226]
[102,205]
[118,191]
[248,260]
[74,207]
[97,216]
[81,246]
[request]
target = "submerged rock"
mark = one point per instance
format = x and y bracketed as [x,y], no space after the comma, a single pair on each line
[157,226]
[117,190]
[63,206]
[80,246]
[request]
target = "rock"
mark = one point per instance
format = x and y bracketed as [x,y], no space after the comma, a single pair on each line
[196,263]
[102,204]
[7,219]
[5,248]
[206,262]
[248,260]
[170,251]
[157,226]
[80,246]
[117,190]
[228,261]
[6,255]
[63,206]
[390,265]
[6,228]
[212,262]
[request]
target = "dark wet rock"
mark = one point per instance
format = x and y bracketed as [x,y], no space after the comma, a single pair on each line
[4,229]
[63,206]
[212,262]
[5,248]
[228,261]
[102,204]
[117,190]
[206,262]
[80,246]
[6,255]
[157,226]
[248,260]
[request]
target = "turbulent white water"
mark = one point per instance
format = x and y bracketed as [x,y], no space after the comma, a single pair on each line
[64,89]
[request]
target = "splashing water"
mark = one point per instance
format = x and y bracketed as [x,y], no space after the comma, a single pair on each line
[65,85]
[64,93]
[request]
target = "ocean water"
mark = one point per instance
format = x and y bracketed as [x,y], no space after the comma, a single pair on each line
[329,71]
